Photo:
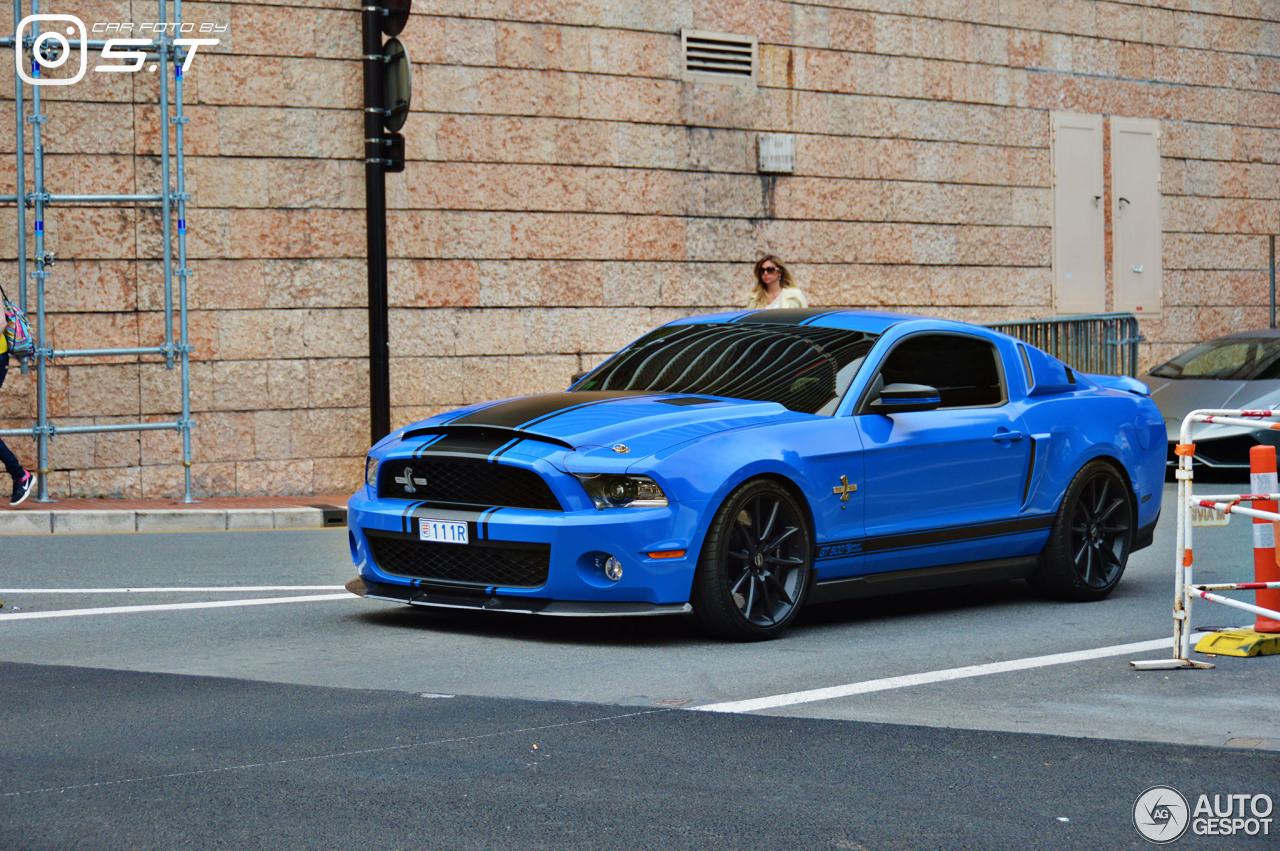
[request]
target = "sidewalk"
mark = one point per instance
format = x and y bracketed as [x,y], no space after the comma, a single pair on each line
[214,514]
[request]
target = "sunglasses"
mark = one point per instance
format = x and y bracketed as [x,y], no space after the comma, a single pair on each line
[768,270]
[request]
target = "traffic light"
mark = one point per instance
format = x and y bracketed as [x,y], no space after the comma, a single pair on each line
[396,85]
[388,84]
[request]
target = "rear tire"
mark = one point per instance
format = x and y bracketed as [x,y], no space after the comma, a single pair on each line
[1091,538]
[756,566]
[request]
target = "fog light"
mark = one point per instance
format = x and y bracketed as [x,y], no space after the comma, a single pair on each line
[612,569]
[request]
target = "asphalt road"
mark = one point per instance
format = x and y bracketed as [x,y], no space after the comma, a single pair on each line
[218,690]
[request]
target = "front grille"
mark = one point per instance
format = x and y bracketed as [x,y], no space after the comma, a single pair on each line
[479,564]
[465,482]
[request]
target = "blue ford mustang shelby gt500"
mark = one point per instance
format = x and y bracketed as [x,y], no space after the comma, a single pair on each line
[740,465]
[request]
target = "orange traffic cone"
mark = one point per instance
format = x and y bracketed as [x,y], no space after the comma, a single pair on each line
[1266,555]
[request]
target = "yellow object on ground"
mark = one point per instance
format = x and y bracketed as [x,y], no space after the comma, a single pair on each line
[1240,642]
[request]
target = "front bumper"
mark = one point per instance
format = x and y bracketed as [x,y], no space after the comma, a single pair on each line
[572,545]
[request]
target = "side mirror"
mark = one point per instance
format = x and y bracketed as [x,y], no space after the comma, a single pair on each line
[901,398]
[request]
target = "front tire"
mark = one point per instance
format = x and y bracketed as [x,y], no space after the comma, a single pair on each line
[1091,538]
[756,565]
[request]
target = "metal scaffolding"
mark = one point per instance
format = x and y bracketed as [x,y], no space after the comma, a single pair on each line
[172,201]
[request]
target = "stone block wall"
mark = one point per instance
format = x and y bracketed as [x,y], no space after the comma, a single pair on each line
[567,190]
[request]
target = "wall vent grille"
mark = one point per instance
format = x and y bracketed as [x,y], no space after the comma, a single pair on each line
[719,57]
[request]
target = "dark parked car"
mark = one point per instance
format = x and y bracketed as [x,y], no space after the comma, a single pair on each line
[1236,372]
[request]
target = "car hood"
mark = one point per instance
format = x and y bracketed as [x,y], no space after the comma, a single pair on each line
[619,425]
[1178,397]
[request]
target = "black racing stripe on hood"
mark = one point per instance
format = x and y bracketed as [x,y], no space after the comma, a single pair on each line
[447,418]
[783,316]
[610,396]
[479,441]
[813,320]
[685,401]
[422,448]
[531,409]
[476,442]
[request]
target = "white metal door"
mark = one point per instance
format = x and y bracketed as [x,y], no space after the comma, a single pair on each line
[1079,262]
[1135,214]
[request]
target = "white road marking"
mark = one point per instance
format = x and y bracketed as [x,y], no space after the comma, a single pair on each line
[888,683]
[171,607]
[183,590]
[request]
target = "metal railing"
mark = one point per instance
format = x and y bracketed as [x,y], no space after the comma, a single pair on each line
[1104,343]
[1185,588]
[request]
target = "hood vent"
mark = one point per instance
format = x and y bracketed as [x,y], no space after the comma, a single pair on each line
[719,57]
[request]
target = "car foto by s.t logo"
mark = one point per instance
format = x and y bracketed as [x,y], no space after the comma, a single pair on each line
[51,49]
[1163,815]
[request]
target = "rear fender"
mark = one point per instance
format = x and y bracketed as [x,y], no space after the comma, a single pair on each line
[1121,382]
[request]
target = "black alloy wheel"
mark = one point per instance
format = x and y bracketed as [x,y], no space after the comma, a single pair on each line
[1091,538]
[756,564]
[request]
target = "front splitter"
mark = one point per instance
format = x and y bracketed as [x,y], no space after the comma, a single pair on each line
[478,600]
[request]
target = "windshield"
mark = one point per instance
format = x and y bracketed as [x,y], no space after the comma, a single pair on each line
[1229,358]
[805,368]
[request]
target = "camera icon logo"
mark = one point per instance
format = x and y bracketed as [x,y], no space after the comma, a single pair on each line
[51,49]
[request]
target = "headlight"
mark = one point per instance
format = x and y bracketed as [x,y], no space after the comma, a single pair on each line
[371,473]
[612,491]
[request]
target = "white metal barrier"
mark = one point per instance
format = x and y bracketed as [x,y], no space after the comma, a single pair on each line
[1184,587]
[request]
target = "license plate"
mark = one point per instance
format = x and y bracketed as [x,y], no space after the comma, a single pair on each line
[442,531]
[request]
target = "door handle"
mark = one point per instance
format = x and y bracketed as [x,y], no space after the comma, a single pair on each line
[1005,434]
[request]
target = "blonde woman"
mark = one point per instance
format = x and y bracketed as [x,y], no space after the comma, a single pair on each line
[774,286]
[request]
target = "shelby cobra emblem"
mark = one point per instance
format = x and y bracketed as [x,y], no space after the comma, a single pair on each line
[409,481]
[844,489]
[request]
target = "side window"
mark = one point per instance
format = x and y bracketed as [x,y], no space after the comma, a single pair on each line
[965,370]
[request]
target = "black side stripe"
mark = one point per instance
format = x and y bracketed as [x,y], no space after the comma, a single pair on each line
[932,537]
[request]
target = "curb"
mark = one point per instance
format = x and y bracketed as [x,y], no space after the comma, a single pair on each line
[30,522]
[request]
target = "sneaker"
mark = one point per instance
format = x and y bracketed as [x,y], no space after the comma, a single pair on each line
[22,487]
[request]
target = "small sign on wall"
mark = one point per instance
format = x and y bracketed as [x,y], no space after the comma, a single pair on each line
[777,153]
